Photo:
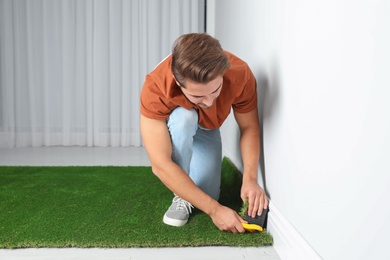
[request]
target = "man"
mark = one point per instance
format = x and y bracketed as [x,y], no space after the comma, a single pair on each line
[184,101]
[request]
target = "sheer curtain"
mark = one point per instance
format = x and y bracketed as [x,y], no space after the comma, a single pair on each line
[71,70]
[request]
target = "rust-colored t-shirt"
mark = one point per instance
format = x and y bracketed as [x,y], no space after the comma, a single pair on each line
[160,94]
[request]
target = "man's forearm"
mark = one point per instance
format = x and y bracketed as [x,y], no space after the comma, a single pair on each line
[250,152]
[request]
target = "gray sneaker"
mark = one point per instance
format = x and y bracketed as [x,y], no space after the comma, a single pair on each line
[178,213]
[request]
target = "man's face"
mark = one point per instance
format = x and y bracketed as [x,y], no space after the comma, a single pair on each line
[203,94]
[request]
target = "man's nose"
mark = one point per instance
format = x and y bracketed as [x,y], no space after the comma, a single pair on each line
[208,101]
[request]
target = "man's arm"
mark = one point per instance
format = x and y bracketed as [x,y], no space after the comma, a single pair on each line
[250,151]
[157,142]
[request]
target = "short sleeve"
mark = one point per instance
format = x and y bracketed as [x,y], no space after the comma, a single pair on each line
[152,102]
[246,101]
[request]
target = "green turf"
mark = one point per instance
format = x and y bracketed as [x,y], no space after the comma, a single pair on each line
[105,207]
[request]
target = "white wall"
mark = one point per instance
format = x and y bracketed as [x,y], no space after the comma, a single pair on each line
[322,69]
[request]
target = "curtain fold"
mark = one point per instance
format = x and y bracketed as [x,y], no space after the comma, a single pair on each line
[71,71]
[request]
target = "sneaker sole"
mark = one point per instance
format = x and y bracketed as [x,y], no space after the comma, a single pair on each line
[174,222]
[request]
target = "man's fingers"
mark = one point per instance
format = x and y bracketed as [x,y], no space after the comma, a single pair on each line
[257,206]
[228,220]
[250,206]
[239,228]
[263,205]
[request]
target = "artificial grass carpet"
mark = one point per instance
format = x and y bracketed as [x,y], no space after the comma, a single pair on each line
[105,207]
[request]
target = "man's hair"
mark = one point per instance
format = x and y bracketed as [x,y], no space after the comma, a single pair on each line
[198,57]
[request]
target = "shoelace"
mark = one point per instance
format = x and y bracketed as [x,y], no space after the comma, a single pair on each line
[183,204]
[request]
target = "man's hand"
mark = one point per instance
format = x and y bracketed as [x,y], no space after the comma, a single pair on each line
[227,219]
[257,199]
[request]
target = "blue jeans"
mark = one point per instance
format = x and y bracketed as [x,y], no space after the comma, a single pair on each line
[196,150]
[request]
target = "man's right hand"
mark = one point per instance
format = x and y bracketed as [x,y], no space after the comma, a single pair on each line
[227,220]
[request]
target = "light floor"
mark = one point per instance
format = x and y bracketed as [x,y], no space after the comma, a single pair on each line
[136,156]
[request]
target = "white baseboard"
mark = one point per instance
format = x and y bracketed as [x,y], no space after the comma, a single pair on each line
[288,243]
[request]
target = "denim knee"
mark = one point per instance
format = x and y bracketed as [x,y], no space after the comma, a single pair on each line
[182,119]
[182,125]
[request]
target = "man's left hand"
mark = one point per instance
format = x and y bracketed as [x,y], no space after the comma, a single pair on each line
[257,199]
